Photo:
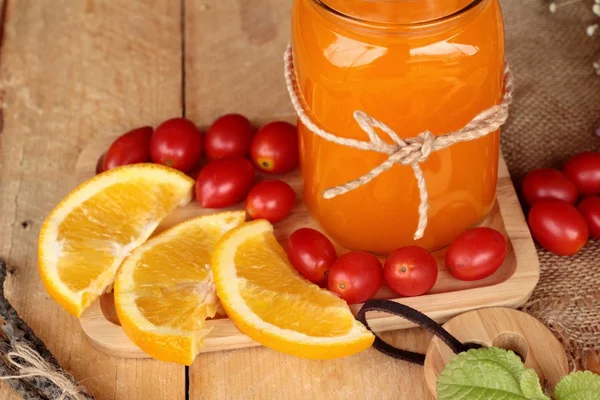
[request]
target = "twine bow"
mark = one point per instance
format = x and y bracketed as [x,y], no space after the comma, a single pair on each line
[411,151]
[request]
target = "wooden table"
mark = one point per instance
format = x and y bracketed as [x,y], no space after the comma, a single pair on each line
[74,70]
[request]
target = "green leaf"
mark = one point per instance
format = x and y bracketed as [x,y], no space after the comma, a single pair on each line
[491,374]
[578,386]
[530,386]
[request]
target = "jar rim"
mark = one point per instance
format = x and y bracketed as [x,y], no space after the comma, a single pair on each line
[419,24]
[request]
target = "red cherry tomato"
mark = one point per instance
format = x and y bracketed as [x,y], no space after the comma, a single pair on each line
[589,208]
[584,170]
[176,143]
[476,254]
[274,148]
[558,227]
[195,171]
[355,276]
[100,164]
[228,136]
[548,183]
[410,271]
[224,182]
[270,200]
[312,254]
[130,148]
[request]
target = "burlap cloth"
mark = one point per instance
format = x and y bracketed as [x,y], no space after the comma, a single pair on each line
[555,112]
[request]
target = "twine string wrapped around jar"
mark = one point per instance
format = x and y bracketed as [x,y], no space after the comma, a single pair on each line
[412,151]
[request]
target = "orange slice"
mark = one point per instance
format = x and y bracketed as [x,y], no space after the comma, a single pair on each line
[164,290]
[86,237]
[270,302]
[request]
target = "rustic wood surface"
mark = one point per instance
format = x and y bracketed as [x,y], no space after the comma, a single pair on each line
[75,70]
[72,71]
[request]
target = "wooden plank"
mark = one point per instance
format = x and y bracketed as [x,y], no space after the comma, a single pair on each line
[72,71]
[5,391]
[234,58]
[234,63]
[259,373]
[233,52]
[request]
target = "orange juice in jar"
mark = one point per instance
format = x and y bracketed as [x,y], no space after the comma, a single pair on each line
[416,66]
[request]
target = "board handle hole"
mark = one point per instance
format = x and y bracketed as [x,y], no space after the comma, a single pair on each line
[506,341]
[512,341]
[474,345]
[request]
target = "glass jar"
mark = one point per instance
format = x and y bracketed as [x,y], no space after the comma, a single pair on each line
[416,66]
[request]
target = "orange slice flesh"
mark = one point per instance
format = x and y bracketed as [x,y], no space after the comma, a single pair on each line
[270,302]
[164,291]
[88,234]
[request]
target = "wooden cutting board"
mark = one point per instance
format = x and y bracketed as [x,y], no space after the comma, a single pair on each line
[510,286]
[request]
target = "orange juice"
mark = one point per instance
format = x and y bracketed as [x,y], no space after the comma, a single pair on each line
[414,65]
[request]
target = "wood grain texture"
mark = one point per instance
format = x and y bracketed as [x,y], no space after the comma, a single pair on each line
[233,59]
[260,373]
[72,71]
[505,328]
[510,286]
